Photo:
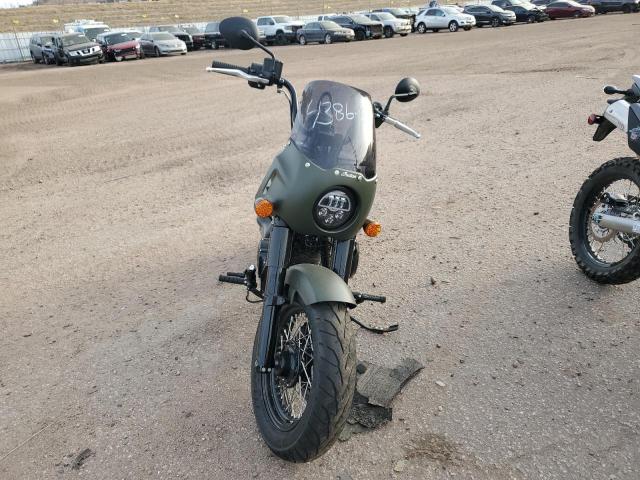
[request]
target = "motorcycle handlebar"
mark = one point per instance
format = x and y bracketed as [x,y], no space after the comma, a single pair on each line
[237,71]
[228,66]
[401,126]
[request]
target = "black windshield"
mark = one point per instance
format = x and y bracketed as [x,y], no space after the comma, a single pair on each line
[335,129]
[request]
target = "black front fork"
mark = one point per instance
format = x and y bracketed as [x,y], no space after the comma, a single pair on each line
[343,258]
[278,257]
[277,260]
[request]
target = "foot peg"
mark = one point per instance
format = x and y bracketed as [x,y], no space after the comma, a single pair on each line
[365,297]
[228,278]
[247,278]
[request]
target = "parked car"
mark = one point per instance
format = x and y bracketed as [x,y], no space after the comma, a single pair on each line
[89,28]
[37,42]
[48,57]
[176,32]
[324,32]
[74,49]
[196,36]
[441,18]
[161,43]
[606,6]
[279,28]
[403,13]
[135,34]
[568,9]
[391,25]
[512,3]
[528,13]
[212,36]
[363,27]
[118,46]
[490,15]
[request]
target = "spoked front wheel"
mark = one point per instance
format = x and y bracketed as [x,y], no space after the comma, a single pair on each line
[302,405]
[604,254]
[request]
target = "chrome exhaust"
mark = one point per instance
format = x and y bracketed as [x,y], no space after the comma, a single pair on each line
[625,225]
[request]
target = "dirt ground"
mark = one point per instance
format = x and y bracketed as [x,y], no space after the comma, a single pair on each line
[126,189]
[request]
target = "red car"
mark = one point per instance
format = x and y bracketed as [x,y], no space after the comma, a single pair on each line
[569,9]
[119,46]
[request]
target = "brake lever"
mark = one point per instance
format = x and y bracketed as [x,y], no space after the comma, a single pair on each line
[399,125]
[240,74]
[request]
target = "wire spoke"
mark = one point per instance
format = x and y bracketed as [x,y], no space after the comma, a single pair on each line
[294,386]
[606,245]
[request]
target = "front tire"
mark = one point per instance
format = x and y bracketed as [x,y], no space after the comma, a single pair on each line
[422,28]
[327,39]
[453,26]
[302,40]
[388,32]
[588,240]
[324,386]
[495,22]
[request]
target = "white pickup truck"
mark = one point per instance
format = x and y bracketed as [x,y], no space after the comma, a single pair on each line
[279,29]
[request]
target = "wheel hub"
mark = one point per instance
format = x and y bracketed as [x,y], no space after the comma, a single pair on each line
[287,363]
[599,233]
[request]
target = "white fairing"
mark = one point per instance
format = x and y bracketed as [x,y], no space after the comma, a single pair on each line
[618,113]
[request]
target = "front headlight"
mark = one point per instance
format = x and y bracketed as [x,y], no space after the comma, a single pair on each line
[334,209]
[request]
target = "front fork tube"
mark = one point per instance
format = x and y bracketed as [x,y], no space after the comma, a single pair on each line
[343,257]
[277,259]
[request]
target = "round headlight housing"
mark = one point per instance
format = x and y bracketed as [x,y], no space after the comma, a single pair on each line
[334,209]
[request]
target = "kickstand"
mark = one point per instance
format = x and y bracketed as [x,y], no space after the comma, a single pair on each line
[389,329]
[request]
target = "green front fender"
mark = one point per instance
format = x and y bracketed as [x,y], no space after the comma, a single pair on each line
[316,284]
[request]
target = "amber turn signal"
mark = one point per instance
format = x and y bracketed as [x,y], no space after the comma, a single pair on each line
[372,229]
[263,208]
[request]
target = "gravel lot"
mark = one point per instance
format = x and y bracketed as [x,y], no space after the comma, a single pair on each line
[126,189]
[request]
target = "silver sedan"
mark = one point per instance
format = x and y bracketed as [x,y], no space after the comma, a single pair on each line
[156,44]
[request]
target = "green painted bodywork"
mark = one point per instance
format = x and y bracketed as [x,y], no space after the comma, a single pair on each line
[293,184]
[316,284]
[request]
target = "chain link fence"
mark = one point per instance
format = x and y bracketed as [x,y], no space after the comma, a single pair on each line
[14,46]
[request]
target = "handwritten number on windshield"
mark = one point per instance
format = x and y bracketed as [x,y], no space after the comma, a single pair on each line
[328,112]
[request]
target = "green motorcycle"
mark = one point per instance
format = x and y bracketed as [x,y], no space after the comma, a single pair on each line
[314,199]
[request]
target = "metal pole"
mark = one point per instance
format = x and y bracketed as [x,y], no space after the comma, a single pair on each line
[15,34]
